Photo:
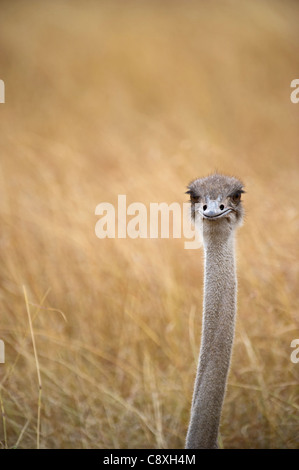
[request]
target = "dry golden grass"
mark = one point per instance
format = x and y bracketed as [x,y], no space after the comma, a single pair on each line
[138,98]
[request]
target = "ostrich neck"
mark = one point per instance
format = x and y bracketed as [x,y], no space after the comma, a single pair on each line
[217,338]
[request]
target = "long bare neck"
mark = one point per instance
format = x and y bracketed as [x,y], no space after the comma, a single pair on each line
[219,311]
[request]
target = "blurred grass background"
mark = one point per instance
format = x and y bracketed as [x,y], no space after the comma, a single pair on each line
[138,98]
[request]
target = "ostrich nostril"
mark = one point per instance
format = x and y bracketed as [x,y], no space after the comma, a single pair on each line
[205,207]
[221,207]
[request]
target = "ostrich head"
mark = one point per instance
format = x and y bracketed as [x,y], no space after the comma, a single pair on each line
[216,202]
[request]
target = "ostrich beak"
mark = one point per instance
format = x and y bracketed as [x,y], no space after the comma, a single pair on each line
[212,210]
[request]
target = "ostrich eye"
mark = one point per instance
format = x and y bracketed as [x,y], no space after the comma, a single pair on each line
[193,197]
[236,196]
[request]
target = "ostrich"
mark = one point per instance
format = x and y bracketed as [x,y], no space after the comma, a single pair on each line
[217,211]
